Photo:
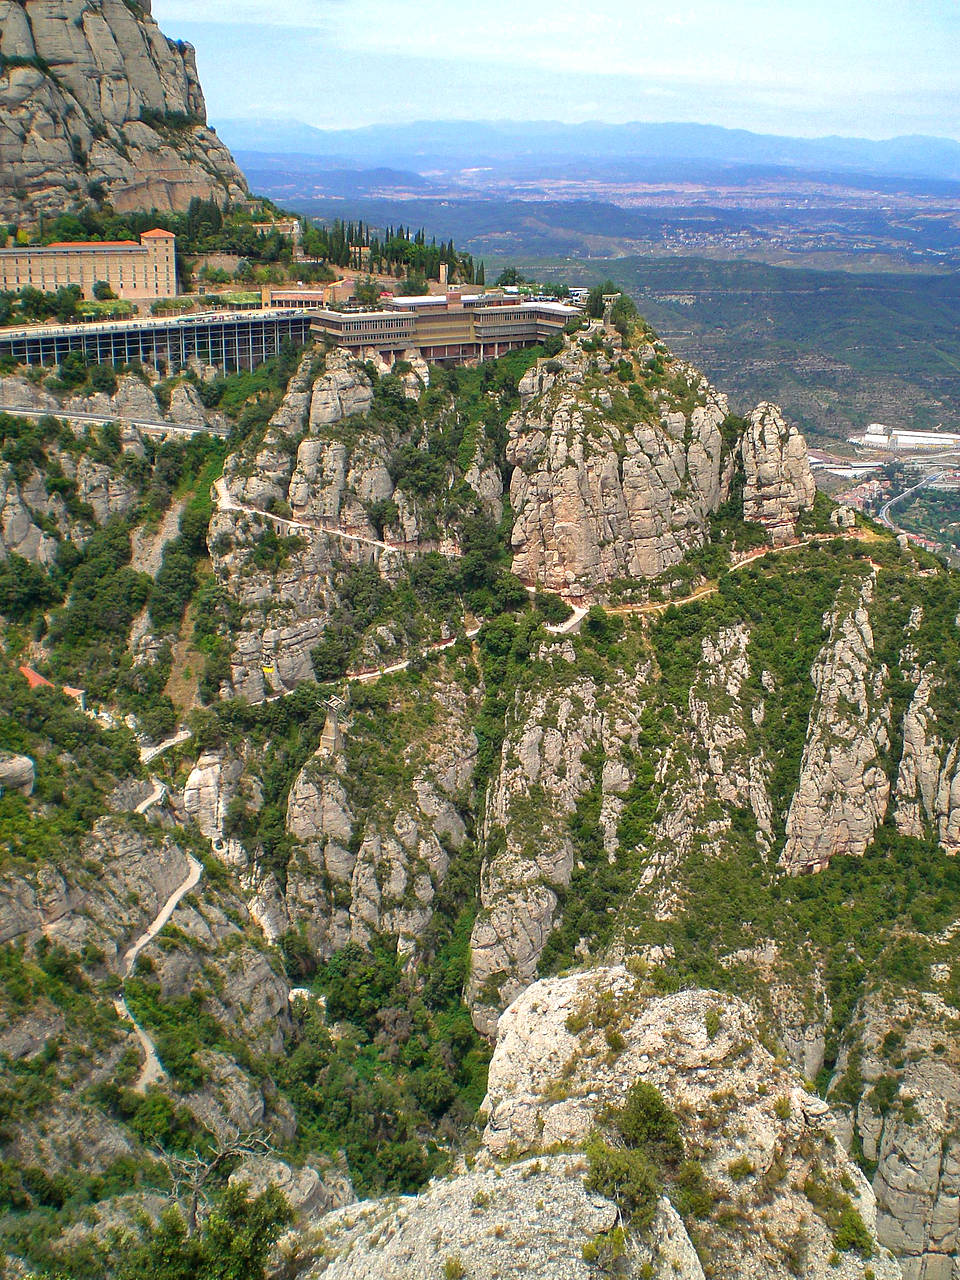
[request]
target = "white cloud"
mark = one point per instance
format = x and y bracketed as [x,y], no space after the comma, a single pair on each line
[408,59]
[259,13]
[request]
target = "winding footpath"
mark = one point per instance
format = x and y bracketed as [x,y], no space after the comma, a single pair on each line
[226,502]
[152,1070]
[147,427]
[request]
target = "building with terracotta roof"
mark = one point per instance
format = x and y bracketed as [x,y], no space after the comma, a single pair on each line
[35,680]
[139,271]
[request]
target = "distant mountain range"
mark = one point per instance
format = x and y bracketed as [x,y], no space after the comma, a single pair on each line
[462,144]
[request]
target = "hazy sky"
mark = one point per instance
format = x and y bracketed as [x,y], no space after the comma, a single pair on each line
[874,68]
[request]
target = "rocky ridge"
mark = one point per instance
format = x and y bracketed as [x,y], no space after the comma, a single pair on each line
[566,1050]
[606,487]
[843,790]
[94,99]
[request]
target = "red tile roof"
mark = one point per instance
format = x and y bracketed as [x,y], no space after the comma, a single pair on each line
[93,244]
[34,679]
[157,234]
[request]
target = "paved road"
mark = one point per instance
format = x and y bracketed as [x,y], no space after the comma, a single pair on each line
[885,517]
[156,795]
[147,426]
[152,1070]
[147,754]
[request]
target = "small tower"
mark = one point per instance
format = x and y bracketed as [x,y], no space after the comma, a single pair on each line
[331,740]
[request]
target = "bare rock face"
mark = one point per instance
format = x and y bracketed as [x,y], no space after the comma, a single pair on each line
[722,767]
[19,532]
[764,1142]
[328,478]
[358,874]
[906,1122]
[928,783]
[17,773]
[95,94]
[543,773]
[308,1191]
[843,789]
[341,392]
[107,490]
[602,490]
[779,483]
[136,874]
[551,1074]
[531,1218]
[209,789]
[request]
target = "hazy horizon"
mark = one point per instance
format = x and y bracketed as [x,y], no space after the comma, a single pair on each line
[870,69]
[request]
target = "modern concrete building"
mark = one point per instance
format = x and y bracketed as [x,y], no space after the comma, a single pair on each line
[230,341]
[453,327]
[139,272]
[879,436]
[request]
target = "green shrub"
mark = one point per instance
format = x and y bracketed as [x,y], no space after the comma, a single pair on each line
[852,1235]
[628,1178]
[645,1121]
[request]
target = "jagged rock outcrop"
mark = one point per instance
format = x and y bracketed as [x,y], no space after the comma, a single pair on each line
[765,1144]
[543,772]
[357,873]
[605,488]
[843,790]
[907,1121]
[135,874]
[307,1190]
[209,788]
[17,773]
[330,480]
[532,1218]
[341,392]
[19,531]
[928,782]
[95,98]
[244,990]
[714,769]
[779,484]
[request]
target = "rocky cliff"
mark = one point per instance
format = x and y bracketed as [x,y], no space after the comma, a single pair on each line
[774,1182]
[610,484]
[96,102]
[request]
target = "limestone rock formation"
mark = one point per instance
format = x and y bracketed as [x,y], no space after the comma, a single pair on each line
[906,1122]
[543,772]
[135,876]
[764,1143]
[604,488]
[843,789]
[19,531]
[331,480]
[779,484]
[531,1218]
[356,877]
[95,98]
[928,783]
[308,1191]
[17,773]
